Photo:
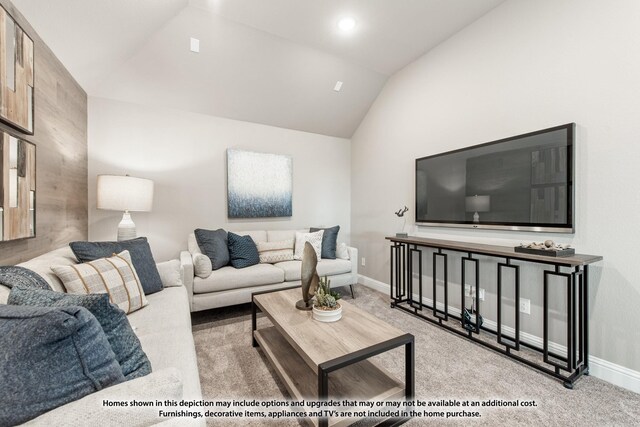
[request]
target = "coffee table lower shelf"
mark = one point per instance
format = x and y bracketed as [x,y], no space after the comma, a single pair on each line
[361,381]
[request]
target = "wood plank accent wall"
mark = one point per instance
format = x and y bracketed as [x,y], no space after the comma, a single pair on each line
[60,135]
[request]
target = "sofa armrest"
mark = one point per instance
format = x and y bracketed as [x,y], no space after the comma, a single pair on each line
[353,257]
[186,271]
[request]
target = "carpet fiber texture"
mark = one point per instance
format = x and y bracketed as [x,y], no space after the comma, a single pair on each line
[447,367]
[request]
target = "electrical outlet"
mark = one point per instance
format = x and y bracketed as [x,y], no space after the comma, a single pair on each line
[470,291]
[525,306]
[363,263]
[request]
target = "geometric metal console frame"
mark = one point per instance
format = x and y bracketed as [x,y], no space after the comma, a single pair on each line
[436,310]
[577,292]
[413,251]
[569,361]
[516,339]
[475,328]
[397,255]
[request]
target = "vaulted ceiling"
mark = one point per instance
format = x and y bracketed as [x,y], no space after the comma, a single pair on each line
[274,62]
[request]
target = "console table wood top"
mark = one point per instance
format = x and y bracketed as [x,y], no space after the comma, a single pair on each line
[495,250]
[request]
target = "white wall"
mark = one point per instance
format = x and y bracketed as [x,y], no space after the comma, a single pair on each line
[527,65]
[185,155]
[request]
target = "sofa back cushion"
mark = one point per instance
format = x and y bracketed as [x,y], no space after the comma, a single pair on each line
[42,265]
[256,235]
[50,356]
[192,244]
[280,235]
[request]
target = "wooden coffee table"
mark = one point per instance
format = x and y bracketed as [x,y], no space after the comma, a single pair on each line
[304,352]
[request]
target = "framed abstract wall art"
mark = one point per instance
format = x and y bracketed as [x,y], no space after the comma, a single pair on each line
[16,75]
[259,185]
[18,190]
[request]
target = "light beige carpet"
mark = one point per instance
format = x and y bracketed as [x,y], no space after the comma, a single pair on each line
[447,367]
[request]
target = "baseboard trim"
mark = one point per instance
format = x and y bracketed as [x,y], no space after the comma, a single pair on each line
[599,368]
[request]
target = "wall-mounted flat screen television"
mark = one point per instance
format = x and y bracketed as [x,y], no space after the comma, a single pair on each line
[524,182]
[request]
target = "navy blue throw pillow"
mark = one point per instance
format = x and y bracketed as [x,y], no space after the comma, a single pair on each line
[12,275]
[329,241]
[112,319]
[242,251]
[50,356]
[213,243]
[141,257]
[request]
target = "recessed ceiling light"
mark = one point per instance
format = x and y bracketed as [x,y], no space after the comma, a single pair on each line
[346,24]
[338,86]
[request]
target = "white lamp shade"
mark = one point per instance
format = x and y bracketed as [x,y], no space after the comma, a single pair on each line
[478,203]
[124,193]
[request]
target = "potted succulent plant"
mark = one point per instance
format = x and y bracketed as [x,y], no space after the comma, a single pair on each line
[326,307]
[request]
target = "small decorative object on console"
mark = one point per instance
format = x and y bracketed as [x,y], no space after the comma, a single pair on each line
[400,214]
[326,307]
[548,248]
[468,322]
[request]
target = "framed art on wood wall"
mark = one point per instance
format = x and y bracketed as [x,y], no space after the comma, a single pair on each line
[16,75]
[259,185]
[18,190]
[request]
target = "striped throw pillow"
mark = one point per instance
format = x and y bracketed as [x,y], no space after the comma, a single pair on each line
[272,252]
[114,276]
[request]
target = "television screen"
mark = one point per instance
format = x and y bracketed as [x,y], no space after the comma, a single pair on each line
[520,183]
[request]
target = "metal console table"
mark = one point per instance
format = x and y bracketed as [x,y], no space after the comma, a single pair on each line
[566,367]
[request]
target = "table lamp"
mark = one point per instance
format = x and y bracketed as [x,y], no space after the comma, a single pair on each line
[477,204]
[124,193]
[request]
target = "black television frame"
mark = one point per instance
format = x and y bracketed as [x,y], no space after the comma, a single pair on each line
[568,227]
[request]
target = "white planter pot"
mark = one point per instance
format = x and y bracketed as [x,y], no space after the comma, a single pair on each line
[327,315]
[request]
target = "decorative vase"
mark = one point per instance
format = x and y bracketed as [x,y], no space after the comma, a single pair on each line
[327,315]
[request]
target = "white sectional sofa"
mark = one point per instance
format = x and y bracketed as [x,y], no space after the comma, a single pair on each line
[164,330]
[229,286]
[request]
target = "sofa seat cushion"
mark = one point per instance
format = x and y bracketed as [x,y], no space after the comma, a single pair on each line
[164,330]
[233,278]
[327,267]
[92,411]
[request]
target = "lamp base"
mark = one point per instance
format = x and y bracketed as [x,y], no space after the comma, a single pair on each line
[126,228]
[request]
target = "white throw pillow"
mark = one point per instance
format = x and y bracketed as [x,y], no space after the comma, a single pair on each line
[342,252]
[201,265]
[170,273]
[272,252]
[314,238]
[114,276]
